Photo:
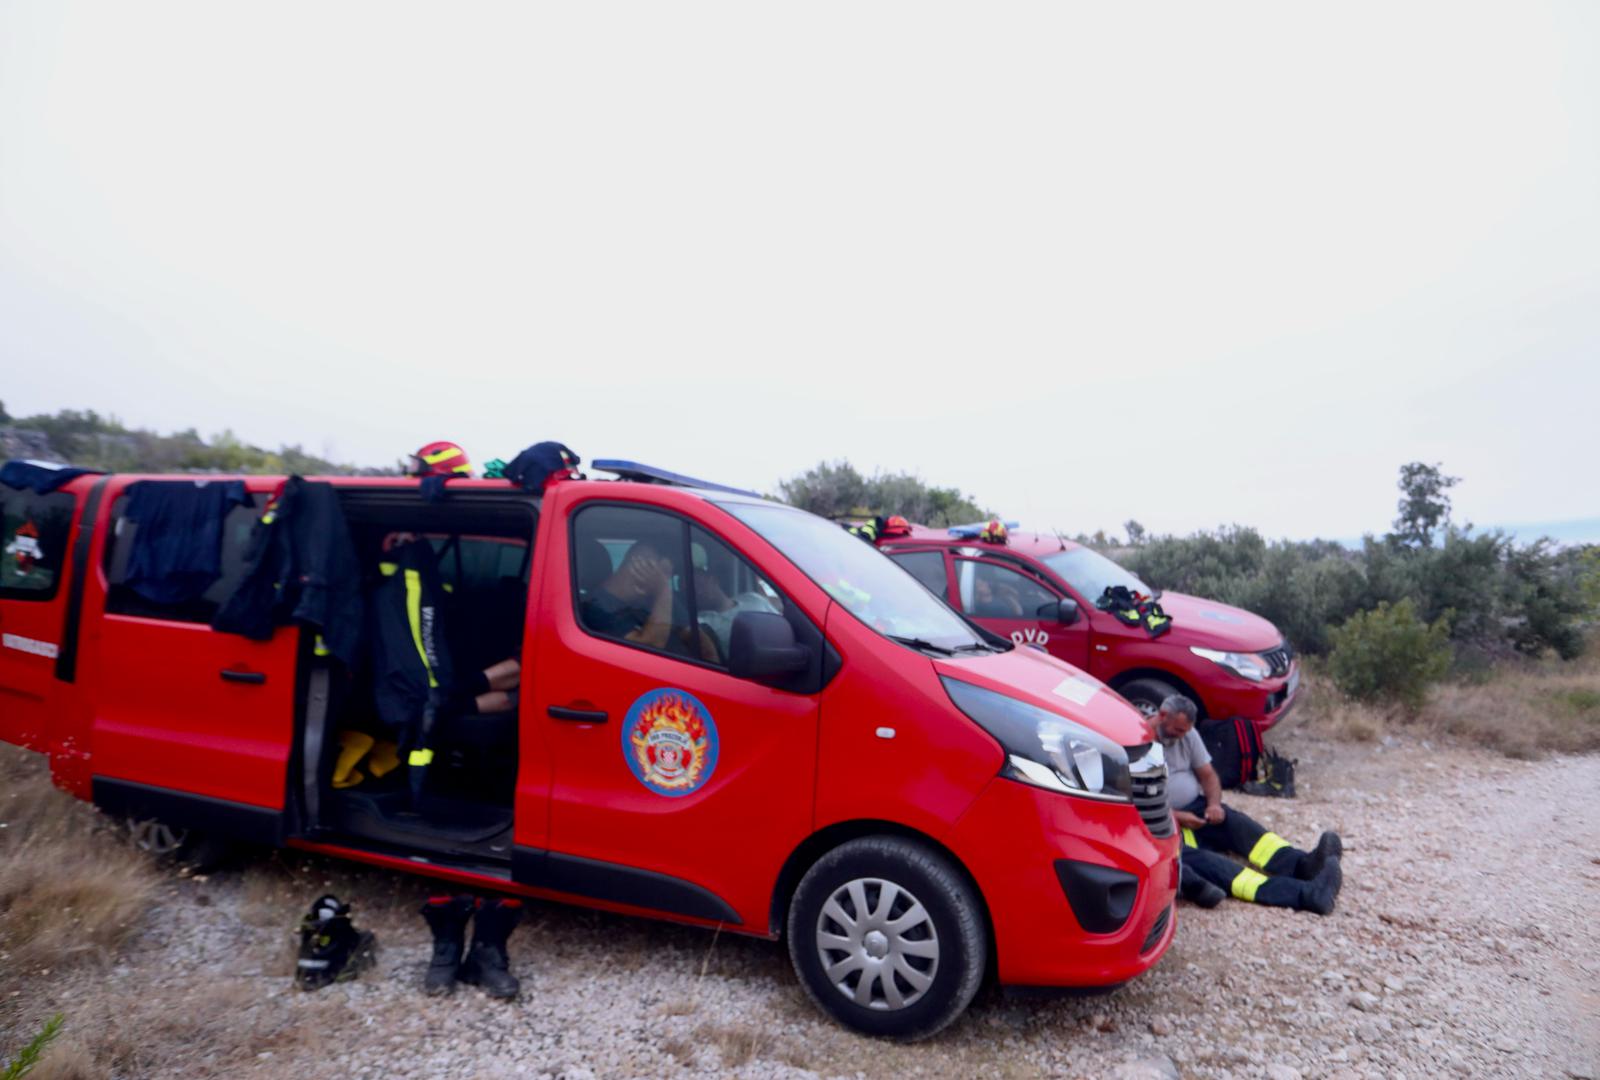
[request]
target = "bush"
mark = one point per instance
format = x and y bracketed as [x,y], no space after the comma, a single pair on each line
[1389,654]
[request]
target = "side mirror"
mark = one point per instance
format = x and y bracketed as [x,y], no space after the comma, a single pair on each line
[762,648]
[1064,611]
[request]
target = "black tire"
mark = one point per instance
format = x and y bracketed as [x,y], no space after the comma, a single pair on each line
[1146,695]
[201,852]
[951,925]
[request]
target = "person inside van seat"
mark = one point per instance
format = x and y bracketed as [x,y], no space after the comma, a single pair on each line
[717,609]
[492,690]
[635,604]
[991,601]
[1278,875]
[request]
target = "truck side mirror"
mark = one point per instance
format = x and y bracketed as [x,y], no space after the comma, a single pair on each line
[1063,611]
[762,648]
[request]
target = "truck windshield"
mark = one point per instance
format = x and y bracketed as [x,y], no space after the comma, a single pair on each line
[869,585]
[1090,573]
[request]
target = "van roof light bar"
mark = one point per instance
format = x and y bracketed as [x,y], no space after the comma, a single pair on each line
[649,474]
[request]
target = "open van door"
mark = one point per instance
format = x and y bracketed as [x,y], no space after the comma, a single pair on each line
[36,581]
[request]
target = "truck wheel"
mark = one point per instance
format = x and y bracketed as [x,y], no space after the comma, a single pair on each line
[887,937]
[1146,695]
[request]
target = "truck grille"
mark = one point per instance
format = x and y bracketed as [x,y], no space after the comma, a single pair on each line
[1148,771]
[1279,659]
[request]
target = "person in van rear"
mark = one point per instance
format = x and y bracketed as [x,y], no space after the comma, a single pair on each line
[1279,875]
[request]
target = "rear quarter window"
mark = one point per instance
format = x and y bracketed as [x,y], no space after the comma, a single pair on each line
[237,528]
[33,542]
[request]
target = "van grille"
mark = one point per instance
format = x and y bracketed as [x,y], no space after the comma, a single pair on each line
[1149,791]
[1279,659]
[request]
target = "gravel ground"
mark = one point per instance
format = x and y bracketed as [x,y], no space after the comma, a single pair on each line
[1464,945]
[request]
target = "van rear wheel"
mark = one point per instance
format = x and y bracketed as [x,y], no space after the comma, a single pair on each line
[887,938]
[162,841]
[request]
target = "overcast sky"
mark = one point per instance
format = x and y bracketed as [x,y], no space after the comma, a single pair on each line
[1187,263]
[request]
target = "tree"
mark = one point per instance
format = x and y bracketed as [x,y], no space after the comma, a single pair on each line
[5,417]
[837,489]
[1136,532]
[1424,504]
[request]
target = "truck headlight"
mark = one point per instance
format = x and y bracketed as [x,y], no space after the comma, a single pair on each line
[1044,749]
[1243,664]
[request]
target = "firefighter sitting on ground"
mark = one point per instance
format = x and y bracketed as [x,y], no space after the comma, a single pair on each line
[1278,875]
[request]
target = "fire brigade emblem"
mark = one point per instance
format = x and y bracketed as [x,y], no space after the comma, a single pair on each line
[670,742]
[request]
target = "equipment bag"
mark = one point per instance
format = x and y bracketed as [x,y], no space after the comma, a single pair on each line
[1235,749]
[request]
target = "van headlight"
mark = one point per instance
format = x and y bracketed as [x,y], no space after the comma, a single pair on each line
[1243,664]
[1045,749]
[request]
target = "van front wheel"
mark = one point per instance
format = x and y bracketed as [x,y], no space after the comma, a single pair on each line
[887,937]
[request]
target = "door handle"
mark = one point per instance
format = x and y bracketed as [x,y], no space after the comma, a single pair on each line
[255,677]
[582,716]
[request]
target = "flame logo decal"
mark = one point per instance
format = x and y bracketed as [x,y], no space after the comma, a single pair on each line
[670,742]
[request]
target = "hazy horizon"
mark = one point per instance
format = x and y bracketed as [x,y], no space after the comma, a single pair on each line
[1188,266]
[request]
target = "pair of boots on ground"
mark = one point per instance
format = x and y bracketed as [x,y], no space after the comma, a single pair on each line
[1207,877]
[486,964]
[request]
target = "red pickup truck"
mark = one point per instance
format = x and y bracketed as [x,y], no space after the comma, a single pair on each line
[1039,589]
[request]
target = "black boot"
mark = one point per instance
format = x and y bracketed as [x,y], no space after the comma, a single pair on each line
[1321,891]
[331,948]
[447,917]
[487,964]
[1329,846]
[1197,890]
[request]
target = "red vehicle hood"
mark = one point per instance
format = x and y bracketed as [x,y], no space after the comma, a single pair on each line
[1040,679]
[1217,626]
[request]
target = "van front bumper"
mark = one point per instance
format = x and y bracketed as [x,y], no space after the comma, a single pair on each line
[1078,891]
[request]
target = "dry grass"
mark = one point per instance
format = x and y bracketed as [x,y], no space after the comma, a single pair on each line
[1523,710]
[70,889]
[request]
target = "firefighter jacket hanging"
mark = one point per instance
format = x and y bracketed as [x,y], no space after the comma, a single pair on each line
[301,565]
[412,673]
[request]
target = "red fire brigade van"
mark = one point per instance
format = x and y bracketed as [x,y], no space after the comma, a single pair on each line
[796,740]
[1042,590]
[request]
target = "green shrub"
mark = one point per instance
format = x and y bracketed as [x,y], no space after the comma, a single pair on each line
[1389,654]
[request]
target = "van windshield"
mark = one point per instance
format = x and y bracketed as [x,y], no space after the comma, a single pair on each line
[1090,573]
[868,584]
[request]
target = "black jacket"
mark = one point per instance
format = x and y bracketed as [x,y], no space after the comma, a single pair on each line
[411,663]
[302,566]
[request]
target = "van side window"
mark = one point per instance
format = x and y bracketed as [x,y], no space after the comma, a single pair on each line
[630,571]
[33,542]
[122,600]
[724,587]
[991,591]
[927,567]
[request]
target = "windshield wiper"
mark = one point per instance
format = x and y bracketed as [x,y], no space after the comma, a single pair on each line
[918,643]
[976,646]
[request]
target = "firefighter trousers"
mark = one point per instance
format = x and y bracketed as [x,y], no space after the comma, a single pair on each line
[1243,883]
[1240,834]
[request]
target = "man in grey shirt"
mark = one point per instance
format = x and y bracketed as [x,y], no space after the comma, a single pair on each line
[1279,874]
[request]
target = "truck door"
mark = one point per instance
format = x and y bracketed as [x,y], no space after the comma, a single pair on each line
[677,787]
[187,719]
[35,564]
[1007,601]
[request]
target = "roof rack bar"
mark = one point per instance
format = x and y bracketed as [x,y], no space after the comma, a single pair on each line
[649,474]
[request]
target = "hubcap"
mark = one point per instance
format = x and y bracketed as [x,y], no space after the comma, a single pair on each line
[157,838]
[877,944]
[1147,709]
